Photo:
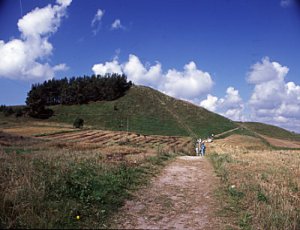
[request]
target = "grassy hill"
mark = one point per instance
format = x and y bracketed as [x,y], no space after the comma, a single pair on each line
[270,130]
[146,111]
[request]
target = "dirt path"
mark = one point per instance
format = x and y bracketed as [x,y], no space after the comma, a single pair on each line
[181,197]
[229,131]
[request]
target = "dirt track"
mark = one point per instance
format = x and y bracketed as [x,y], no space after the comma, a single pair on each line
[181,197]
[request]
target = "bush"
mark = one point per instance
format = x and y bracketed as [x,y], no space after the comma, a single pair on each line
[19,112]
[8,111]
[78,123]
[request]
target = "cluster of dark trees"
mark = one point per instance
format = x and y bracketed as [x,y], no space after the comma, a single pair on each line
[76,90]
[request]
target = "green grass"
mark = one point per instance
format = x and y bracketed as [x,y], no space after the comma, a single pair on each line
[271,131]
[18,150]
[44,193]
[146,111]
[240,131]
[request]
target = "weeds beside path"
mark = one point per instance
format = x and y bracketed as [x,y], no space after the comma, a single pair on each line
[181,197]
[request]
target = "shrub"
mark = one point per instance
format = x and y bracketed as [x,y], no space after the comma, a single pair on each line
[8,111]
[78,123]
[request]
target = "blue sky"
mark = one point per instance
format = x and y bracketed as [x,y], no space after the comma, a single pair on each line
[235,57]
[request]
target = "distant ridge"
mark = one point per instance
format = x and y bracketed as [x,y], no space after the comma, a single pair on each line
[270,130]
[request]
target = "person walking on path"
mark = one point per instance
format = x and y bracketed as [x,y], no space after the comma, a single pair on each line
[197,149]
[202,148]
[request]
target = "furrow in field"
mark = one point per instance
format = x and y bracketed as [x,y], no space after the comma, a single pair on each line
[95,137]
[66,136]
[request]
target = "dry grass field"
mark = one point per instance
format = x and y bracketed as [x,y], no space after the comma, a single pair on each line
[32,128]
[261,186]
[51,175]
[282,143]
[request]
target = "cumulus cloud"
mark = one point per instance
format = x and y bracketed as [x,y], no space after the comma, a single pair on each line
[266,71]
[117,25]
[189,84]
[211,103]
[23,58]
[231,105]
[107,67]
[274,100]
[139,74]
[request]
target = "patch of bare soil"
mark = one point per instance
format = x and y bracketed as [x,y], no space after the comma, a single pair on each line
[181,197]
[282,143]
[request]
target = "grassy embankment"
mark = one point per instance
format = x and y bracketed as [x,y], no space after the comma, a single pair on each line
[260,188]
[271,131]
[146,111]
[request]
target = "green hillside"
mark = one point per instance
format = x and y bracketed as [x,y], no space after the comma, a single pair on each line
[146,111]
[270,130]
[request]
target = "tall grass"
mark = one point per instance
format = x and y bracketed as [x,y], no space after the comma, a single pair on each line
[66,191]
[260,189]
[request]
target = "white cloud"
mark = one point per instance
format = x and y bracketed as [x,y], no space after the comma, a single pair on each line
[139,74]
[64,3]
[232,99]
[60,67]
[23,58]
[274,100]
[108,67]
[117,25]
[230,106]
[210,103]
[189,84]
[266,71]
[98,16]
[96,22]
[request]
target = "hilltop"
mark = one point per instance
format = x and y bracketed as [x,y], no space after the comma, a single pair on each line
[146,111]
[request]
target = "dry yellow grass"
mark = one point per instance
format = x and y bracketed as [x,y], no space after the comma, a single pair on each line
[236,142]
[264,183]
[282,143]
[35,173]
[34,130]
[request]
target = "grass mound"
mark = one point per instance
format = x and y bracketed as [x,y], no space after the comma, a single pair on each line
[146,111]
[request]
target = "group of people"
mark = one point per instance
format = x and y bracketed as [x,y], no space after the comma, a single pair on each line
[200,147]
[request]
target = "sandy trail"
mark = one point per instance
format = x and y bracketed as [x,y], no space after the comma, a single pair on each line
[181,197]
